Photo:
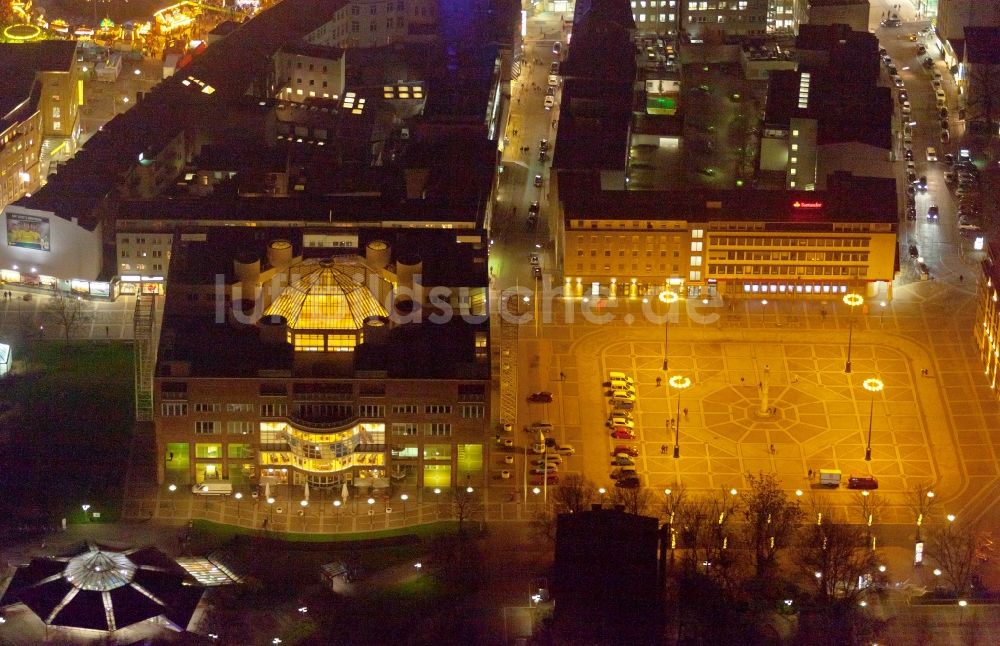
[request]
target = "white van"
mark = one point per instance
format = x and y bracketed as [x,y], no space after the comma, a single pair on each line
[213,488]
[621,384]
[620,376]
[622,396]
[566,449]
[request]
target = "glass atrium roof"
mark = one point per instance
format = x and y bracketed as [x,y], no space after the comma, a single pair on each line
[331,294]
[100,571]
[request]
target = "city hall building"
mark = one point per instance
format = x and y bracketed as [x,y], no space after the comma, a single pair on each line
[282,367]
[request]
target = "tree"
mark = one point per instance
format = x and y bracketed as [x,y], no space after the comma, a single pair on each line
[953,547]
[635,500]
[68,313]
[836,557]
[574,494]
[920,500]
[868,505]
[771,520]
[466,505]
[543,524]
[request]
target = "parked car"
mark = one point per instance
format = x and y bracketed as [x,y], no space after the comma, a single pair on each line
[540,397]
[627,450]
[943,114]
[931,154]
[908,154]
[549,101]
[622,433]
[911,213]
[542,470]
[922,183]
[533,209]
[617,420]
[543,144]
[556,47]
[862,482]
[622,460]
[538,481]
[536,272]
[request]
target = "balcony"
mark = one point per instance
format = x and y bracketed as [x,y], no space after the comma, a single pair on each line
[323,426]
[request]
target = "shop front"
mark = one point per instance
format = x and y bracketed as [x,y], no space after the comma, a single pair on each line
[133,284]
[32,281]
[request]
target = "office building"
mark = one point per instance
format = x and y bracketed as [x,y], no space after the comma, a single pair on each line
[713,21]
[285,365]
[987,326]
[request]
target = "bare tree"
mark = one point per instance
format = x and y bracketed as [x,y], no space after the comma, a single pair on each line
[771,520]
[574,494]
[869,505]
[68,313]
[920,500]
[836,556]
[953,547]
[635,500]
[465,505]
[543,524]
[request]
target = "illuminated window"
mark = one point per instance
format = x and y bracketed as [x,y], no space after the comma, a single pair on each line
[309,342]
[795,133]
[208,450]
[696,261]
[341,342]
[207,428]
[239,451]
[795,147]
[437,452]
[694,275]
[696,246]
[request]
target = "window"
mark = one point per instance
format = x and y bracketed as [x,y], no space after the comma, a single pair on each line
[371,410]
[404,428]
[437,452]
[56,112]
[437,409]
[206,428]
[239,451]
[311,451]
[174,410]
[207,408]
[239,408]
[473,411]
[439,429]
[208,451]
[404,409]
[273,410]
[239,428]
[56,125]
[309,342]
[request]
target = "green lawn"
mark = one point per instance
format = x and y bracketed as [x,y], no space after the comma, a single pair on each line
[73,434]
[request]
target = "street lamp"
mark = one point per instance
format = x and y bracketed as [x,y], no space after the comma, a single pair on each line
[853,300]
[872,385]
[763,308]
[668,298]
[371,512]
[239,496]
[602,491]
[882,316]
[173,503]
[680,383]
[404,498]
[85,507]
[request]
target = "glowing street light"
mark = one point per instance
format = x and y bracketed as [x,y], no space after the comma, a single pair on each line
[404,497]
[680,383]
[853,300]
[668,298]
[872,385]
[239,496]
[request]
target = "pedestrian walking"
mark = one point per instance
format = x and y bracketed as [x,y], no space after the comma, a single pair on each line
[961,278]
[772,449]
[810,474]
[685,414]
[659,381]
[663,449]
[742,381]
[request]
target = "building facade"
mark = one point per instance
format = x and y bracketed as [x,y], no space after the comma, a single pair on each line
[303,72]
[376,23]
[736,244]
[322,370]
[987,325]
[701,19]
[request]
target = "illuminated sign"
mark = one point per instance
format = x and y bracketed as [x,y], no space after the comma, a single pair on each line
[807,205]
[28,231]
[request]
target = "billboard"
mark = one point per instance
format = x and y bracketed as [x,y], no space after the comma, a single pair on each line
[28,231]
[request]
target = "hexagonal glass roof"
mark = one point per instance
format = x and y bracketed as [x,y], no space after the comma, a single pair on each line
[331,294]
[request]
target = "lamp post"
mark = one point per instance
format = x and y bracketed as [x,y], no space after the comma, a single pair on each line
[853,300]
[872,385]
[680,383]
[336,505]
[371,513]
[239,496]
[86,508]
[668,298]
[172,488]
[602,491]
[404,498]
[882,316]
[270,507]
[763,309]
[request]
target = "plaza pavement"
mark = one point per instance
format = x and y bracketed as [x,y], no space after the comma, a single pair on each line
[102,321]
[940,430]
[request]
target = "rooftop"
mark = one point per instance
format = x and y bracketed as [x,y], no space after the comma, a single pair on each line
[804,210]
[20,62]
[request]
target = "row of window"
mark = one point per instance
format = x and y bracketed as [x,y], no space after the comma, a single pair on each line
[439,429]
[792,256]
[786,241]
[785,270]
[177,409]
